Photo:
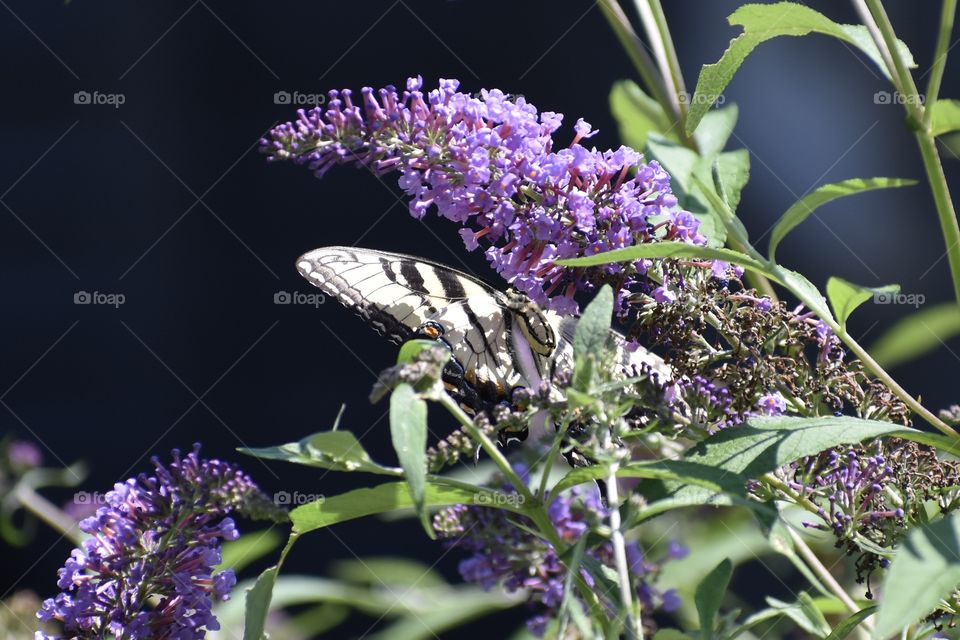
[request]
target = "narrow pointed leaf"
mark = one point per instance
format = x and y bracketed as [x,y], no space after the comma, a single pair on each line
[806,205]
[709,597]
[388,497]
[731,172]
[258,604]
[846,627]
[927,567]
[334,450]
[845,296]
[666,250]
[946,116]
[638,115]
[408,431]
[760,23]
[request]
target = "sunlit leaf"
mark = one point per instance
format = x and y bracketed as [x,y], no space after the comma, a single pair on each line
[945,116]
[845,296]
[709,597]
[760,23]
[927,567]
[806,205]
[408,432]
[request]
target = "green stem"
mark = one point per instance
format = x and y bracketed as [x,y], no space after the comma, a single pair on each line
[551,458]
[652,79]
[877,22]
[874,367]
[947,14]
[495,454]
[824,574]
[658,33]
[48,512]
[630,604]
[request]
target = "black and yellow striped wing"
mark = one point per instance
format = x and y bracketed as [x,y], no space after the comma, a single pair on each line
[403,297]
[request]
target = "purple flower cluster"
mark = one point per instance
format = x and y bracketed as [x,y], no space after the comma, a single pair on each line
[490,163]
[147,569]
[506,554]
[710,405]
[848,489]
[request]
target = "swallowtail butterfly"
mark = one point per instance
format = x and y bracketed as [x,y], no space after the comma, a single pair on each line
[499,341]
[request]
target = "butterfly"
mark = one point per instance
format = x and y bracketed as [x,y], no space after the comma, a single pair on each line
[499,341]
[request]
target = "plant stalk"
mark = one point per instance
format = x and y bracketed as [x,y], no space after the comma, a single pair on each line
[824,574]
[658,34]
[919,116]
[947,14]
[48,513]
[630,604]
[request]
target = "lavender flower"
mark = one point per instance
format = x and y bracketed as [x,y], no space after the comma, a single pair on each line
[23,455]
[507,554]
[147,570]
[490,164]
[772,404]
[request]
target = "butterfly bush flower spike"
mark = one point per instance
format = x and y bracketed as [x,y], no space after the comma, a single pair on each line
[490,163]
[148,568]
[505,554]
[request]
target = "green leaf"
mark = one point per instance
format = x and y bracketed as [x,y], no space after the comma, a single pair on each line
[846,627]
[671,634]
[845,296]
[258,604]
[810,295]
[684,165]
[249,548]
[927,567]
[593,328]
[410,349]
[666,250]
[335,450]
[677,470]
[822,195]
[391,496]
[764,444]
[638,115]
[760,23]
[917,334]
[709,597]
[731,172]
[408,431]
[712,134]
[804,613]
[945,116]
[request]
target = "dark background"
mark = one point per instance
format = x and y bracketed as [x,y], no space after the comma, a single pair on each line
[166,201]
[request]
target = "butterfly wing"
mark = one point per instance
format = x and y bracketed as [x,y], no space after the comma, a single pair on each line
[398,294]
